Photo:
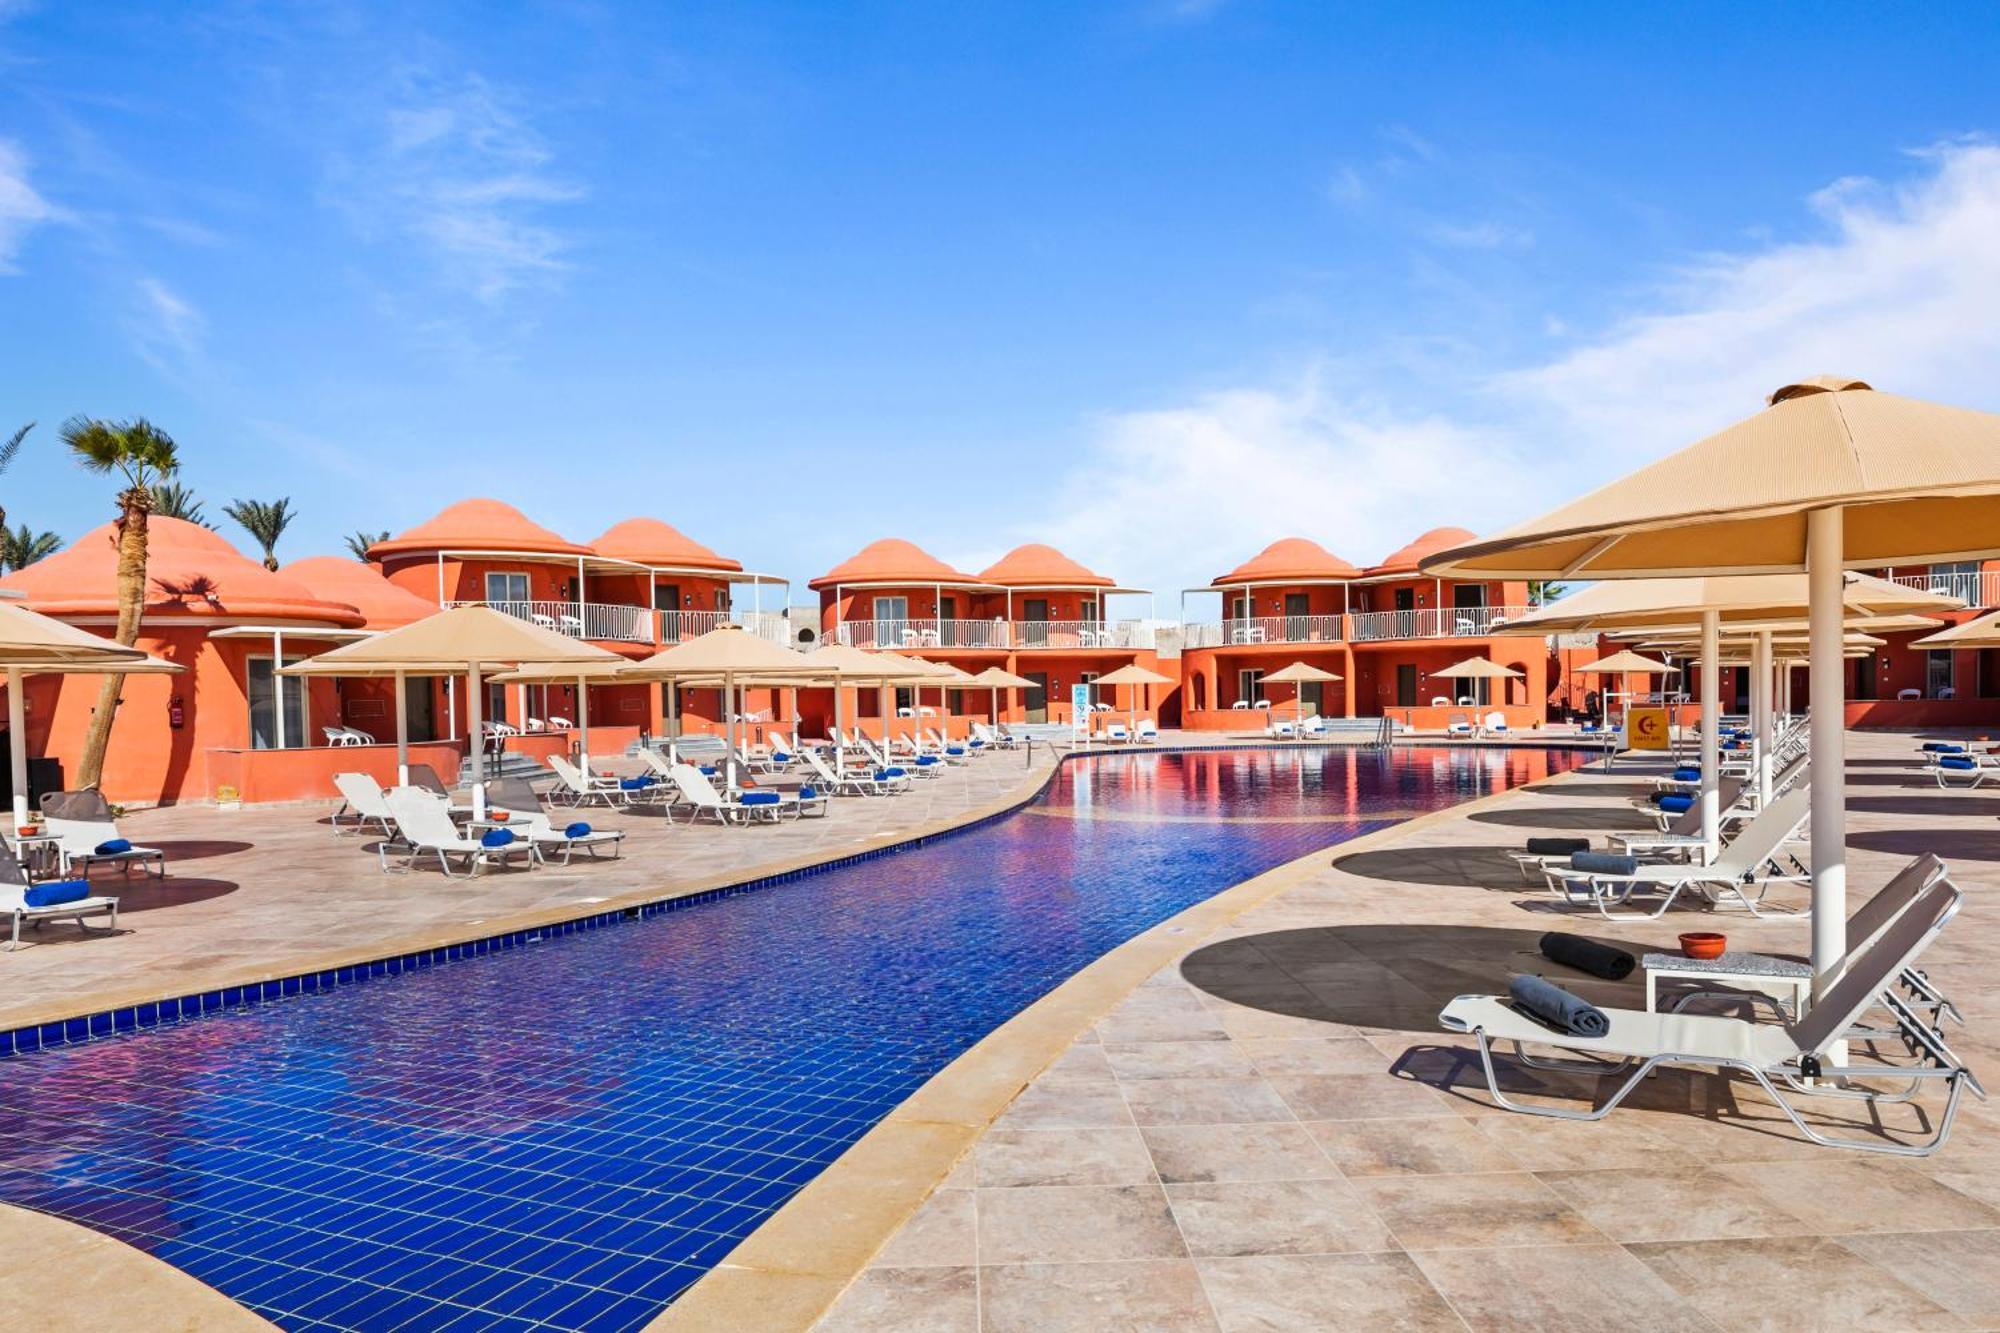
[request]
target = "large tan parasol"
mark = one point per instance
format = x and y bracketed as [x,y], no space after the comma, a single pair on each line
[1299,673]
[580,674]
[1831,475]
[996,679]
[732,655]
[1135,677]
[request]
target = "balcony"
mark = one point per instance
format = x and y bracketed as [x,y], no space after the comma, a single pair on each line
[1266,629]
[1978,588]
[997,635]
[612,623]
[1450,622]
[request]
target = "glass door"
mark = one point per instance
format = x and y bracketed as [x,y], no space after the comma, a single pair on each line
[265,686]
[892,621]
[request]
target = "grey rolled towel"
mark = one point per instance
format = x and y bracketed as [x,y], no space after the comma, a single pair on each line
[1557,846]
[1551,1004]
[1604,863]
[1587,955]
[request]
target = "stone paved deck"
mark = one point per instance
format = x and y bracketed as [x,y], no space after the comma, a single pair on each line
[1273,1134]
[272,891]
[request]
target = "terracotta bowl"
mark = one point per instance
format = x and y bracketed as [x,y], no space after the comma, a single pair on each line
[500,816]
[1704,944]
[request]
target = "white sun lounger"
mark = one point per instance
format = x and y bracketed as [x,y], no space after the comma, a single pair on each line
[1797,1057]
[531,821]
[574,787]
[361,796]
[82,824]
[14,891]
[1745,864]
[706,800]
[424,827]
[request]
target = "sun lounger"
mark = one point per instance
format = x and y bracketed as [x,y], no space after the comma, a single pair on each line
[1789,1060]
[1458,725]
[701,794]
[50,900]
[361,796]
[424,827]
[86,835]
[1745,864]
[855,782]
[1116,733]
[528,818]
[1964,771]
[999,740]
[574,787]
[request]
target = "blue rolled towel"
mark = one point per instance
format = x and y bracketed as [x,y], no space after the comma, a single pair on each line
[758,798]
[113,846]
[1604,863]
[577,830]
[894,771]
[1551,1004]
[1944,747]
[808,793]
[1676,803]
[634,784]
[1557,846]
[709,770]
[497,837]
[1687,775]
[780,757]
[56,892]
[1962,762]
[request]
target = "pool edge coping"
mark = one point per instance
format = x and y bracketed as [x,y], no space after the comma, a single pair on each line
[787,1274]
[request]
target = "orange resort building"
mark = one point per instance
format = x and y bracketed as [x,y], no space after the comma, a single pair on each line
[1035,612]
[230,729]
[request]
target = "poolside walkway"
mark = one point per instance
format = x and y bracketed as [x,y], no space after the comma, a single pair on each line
[271,891]
[1271,1133]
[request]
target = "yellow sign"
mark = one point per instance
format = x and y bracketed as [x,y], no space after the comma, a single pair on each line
[1646,728]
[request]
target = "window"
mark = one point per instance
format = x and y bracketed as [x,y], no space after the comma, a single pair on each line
[1250,684]
[506,586]
[264,689]
[1089,682]
[1938,674]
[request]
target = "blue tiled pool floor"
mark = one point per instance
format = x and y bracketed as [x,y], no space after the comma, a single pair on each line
[568,1134]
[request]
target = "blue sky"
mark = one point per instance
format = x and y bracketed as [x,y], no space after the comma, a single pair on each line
[1159,281]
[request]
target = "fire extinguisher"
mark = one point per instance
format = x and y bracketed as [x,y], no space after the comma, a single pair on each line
[176,714]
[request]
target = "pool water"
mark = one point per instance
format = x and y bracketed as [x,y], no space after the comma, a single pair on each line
[569,1134]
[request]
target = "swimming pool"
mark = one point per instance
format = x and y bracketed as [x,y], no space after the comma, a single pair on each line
[568,1134]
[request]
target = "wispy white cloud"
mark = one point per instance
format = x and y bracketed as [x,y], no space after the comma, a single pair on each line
[22,207]
[167,330]
[451,168]
[1484,234]
[1898,285]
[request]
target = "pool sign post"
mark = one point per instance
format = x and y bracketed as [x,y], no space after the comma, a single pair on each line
[1646,728]
[1079,711]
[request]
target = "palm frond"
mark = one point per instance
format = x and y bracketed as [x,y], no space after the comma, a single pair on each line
[173,500]
[137,448]
[359,542]
[13,446]
[22,546]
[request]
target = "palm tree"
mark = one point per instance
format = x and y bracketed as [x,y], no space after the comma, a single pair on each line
[143,455]
[359,542]
[265,522]
[21,547]
[1543,591]
[7,452]
[173,500]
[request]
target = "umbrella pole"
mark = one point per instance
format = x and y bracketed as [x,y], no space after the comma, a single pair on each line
[673,720]
[1711,734]
[1760,713]
[583,726]
[475,707]
[1826,668]
[730,707]
[17,744]
[402,729]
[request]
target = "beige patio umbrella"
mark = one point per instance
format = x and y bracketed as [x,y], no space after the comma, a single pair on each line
[582,675]
[1831,475]
[1478,668]
[1135,677]
[843,663]
[1979,632]
[32,644]
[465,640]
[1622,665]
[996,679]
[732,655]
[944,677]
[1300,673]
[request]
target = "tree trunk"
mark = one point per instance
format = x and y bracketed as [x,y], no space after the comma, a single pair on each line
[134,504]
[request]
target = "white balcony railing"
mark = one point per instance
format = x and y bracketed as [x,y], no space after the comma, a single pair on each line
[897,635]
[1270,629]
[1450,622]
[1058,634]
[1980,588]
[581,620]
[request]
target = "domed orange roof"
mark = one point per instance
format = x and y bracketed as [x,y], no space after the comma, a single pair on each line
[478,525]
[1291,558]
[647,541]
[337,578]
[1407,559]
[190,571]
[891,560]
[1039,566]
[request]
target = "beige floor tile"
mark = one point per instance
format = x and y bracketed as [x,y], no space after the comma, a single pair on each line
[1276,1217]
[1571,1288]
[1839,1197]
[1418,1145]
[1204,1101]
[1083,1062]
[1672,1203]
[1310,1055]
[1541,1144]
[1456,1212]
[938,1234]
[1066,1103]
[1160,1015]
[1177,1059]
[1358,1097]
[1960,1270]
[1789,1283]
[1195,1153]
[1351,1293]
[907,1300]
[1011,1158]
[1158,1296]
[1076,1224]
